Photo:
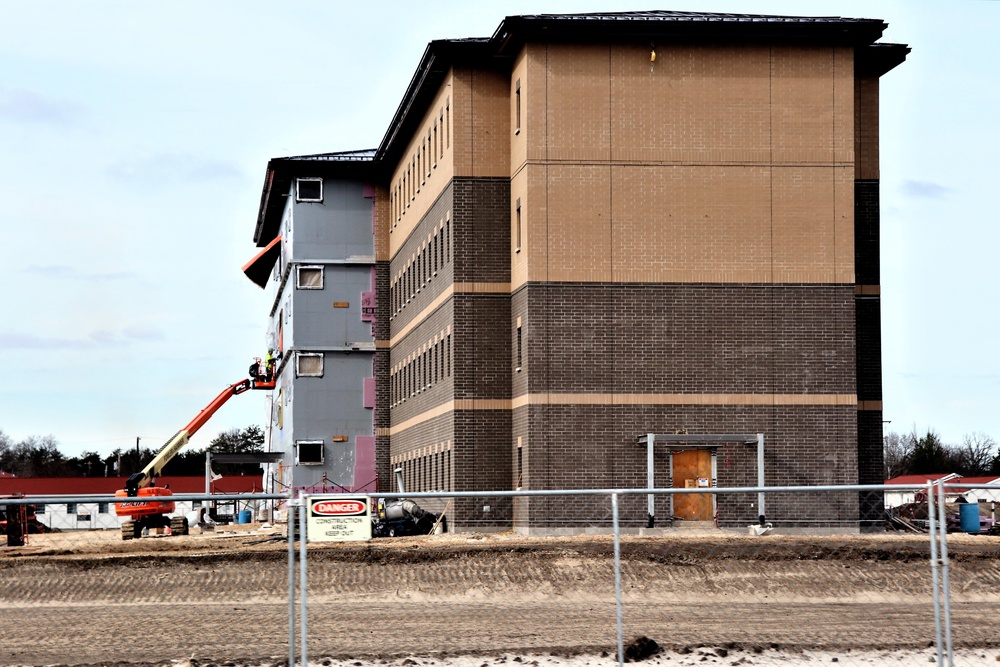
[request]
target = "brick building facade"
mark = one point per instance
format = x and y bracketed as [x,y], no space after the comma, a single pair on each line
[588,228]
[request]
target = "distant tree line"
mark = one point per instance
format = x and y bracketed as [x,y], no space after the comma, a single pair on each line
[912,454]
[40,457]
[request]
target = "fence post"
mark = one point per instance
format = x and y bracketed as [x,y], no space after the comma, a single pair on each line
[935,589]
[945,587]
[618,578]
[302,580]
[291,581]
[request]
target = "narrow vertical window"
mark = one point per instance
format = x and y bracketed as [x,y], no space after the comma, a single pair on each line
[519,349]
[427,158]
[517,107]
[520,465]
[436,149]
[434,252]
[447,124]
[447,354]
[517,226]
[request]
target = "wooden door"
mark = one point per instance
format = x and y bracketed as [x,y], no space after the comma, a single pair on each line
[692,469]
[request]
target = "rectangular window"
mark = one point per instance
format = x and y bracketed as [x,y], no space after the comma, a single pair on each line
[309,452]
[517,226]
[308,189]
[518,368]
[309,364]
[517,107]
[102,508]
[309,277]
[520,466]
[70,508]
[39,509]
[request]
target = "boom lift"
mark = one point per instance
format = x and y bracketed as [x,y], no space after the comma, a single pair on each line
[152,503]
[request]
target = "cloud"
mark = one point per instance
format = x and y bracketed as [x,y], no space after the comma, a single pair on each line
[101,338]
[67,272]
[925,189]
[139,332]
[27,106]
[173,168]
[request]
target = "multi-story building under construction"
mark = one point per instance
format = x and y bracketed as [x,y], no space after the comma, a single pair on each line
[580,231]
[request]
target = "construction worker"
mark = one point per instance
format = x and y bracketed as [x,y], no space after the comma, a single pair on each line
[269,365]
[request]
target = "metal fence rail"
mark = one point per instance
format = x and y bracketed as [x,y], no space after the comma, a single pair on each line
[260,590]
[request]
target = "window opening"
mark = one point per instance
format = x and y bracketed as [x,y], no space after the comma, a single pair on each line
[517,226]
[517,107]
[309,277]
[309,189]
[309,452]
[309,364]
[518,367]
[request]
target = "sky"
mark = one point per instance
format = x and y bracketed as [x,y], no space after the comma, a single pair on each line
[134,139]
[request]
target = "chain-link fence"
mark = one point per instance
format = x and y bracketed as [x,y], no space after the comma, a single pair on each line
[449,575]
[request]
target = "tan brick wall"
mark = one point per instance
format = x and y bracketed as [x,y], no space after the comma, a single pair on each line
[519,259]
[481,119]
[693,104]
[518,135]
[742,164]
[421,195]
[382,223]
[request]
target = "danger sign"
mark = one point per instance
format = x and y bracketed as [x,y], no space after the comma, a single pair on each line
[338,519]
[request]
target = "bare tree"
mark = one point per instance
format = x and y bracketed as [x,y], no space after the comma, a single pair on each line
[976,454]
[896,450]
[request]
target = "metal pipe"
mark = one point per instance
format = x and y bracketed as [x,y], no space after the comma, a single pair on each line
[302,582]
[291,583]
[760,477]
[618,578]
[932,531]
[945,587]
[650,483]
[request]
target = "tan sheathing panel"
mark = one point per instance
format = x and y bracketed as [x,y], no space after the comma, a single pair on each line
[694,104]
[866,128]
[481,121]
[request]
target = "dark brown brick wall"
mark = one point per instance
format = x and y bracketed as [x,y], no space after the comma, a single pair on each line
[482,229]
[381,417]
[575,446]
[866,232]
[688,338]
[869,348]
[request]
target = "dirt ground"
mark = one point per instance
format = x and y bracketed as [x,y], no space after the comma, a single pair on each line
[222,597]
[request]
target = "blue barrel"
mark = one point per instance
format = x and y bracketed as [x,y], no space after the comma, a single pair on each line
[244,516]
[968,517]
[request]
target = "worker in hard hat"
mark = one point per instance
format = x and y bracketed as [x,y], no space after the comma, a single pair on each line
[269,365]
